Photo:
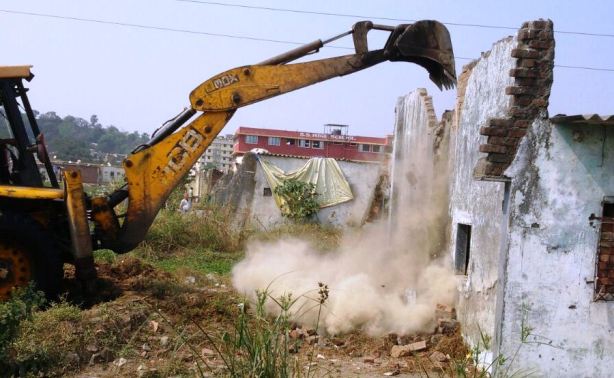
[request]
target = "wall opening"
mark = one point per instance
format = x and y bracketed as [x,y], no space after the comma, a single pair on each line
[604,282]
[266,192]
[463,246]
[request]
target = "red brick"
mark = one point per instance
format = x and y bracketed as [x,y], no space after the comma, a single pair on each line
[522,124]
[604,258]
[516,90]
[525,33]
[499,158]
[493,131]
[522,112]
[526,63]
[607,236]
[528,82]
[500,122]
[602,265]
[540,24]
[607,227]
[503,141]
[525,53]
[541,44]
[540,103]
[517,133]
[495,169]
[488,148]
[524,72]
[521,100]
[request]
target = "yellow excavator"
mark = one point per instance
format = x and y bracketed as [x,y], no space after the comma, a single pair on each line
[43,226]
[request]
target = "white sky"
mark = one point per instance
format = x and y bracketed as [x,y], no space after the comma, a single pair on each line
[137,78]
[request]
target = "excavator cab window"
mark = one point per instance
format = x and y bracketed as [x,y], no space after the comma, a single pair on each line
[20,139]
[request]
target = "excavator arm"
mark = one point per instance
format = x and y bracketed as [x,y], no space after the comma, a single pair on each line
[153,170]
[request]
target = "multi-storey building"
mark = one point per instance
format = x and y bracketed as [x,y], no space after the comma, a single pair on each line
[218,155]
[334,142]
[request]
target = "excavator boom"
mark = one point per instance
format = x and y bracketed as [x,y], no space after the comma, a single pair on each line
[153,170]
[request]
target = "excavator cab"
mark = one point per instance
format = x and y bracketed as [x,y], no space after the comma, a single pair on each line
[33,225]
[20,138]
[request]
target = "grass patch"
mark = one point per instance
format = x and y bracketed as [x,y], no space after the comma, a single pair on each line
[207,228]
[323,238]
[203,261]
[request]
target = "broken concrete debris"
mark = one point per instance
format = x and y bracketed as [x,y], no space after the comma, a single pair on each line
[406,350]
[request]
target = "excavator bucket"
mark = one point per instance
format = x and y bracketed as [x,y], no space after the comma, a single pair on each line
[428,44]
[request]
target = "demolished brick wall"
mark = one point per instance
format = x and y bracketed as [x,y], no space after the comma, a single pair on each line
[533,77]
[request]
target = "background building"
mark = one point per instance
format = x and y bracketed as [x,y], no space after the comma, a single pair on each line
[218,155]
[334,142]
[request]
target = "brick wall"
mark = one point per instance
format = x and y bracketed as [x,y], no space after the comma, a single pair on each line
[530,93]
[604,285]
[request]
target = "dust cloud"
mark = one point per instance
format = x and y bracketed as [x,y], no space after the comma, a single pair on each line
[383,278]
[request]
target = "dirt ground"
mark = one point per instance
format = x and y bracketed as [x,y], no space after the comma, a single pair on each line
[150,323]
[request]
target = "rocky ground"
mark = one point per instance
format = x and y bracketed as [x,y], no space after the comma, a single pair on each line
[146,322]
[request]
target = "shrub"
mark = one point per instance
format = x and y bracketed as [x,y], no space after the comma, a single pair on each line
[20,307]
[300,199]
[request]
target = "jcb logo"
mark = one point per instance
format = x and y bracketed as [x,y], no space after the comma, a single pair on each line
[180,153]
[225,81]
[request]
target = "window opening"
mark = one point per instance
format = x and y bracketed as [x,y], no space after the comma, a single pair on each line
[463,245]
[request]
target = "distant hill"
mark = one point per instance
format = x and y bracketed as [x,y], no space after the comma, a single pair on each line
[74,138]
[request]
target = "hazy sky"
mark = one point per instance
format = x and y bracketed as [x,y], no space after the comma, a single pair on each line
[136,78]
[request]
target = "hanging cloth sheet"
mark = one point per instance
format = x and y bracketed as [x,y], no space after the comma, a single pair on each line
[324,173]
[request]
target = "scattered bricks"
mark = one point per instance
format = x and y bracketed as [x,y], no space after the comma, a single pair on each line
[368,360]
[500,122]
[517,133]
[400,351]
[312,339]
[445,312]
[435,339]
[525,53]
[296,334]
[488,148]
[447,327]
[392,338]
[516,90]
[437,356]
[406,350]
[524,72]
[493,131]
[499,158]
[417,346]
